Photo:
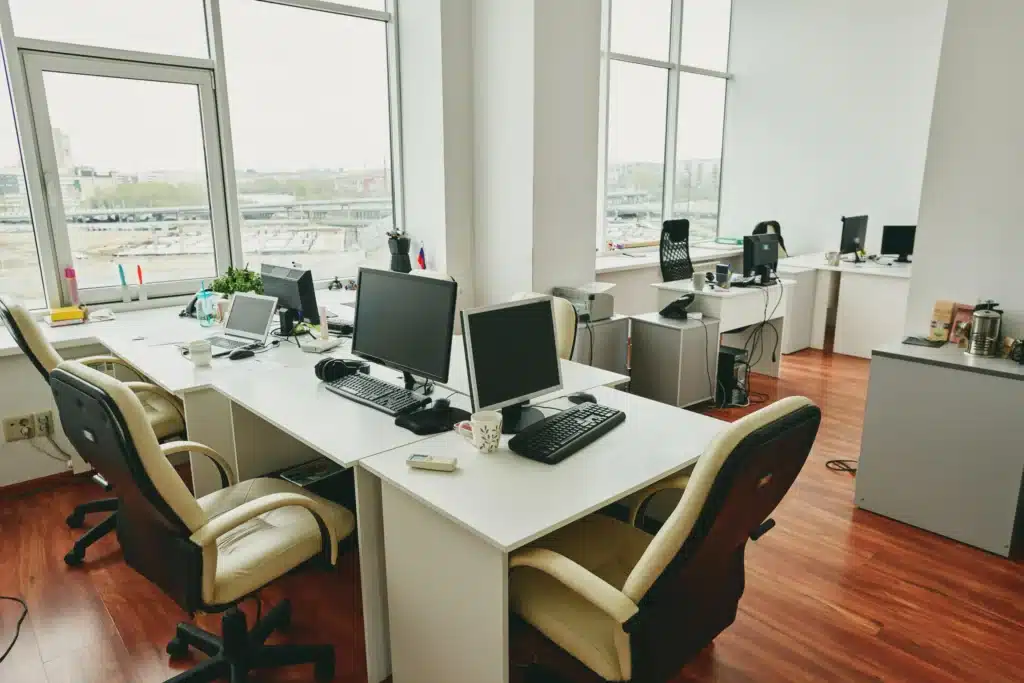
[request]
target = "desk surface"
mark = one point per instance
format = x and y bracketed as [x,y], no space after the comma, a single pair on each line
[686,287]
[951,356]
[614,263]
[510,501]
[817,261]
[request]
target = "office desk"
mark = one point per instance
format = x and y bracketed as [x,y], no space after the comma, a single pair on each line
[449,535]
[867,302]
[740,307]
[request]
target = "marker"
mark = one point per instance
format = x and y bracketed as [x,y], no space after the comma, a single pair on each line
[138,269]
[120,271]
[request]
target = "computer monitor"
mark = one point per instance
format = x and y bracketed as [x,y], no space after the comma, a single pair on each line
[855,231]
[512,357]
[761,256]
[295,294]
[405,322]
[899,240]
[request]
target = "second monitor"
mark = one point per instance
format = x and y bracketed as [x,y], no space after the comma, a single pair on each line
[898,240]
[855,231]
[761,257]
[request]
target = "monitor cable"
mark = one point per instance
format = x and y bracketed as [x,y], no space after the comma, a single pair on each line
[849,466]
[17,628]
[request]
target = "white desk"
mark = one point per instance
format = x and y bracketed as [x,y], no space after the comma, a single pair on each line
[449,535]
[867,302]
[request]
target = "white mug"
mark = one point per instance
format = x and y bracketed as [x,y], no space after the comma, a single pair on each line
[201,353]
[483,429]
[698,282]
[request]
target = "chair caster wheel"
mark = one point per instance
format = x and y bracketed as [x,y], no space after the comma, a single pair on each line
[75,520]
[73,558]
[323,671]
[177,648]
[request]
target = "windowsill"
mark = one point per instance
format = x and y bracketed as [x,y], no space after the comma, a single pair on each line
[647,257]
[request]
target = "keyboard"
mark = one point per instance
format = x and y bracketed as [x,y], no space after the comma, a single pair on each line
[383,396]
[228,343]
[555,438]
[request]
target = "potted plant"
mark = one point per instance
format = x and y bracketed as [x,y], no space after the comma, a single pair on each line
[398,243]
[238,280]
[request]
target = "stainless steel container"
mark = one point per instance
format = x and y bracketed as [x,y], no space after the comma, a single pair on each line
[984,333]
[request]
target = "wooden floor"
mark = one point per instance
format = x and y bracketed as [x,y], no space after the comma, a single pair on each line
[833,594]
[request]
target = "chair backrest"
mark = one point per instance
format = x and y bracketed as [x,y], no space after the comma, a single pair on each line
[565,322]
[674,251]
[29,337]
[772,228]
[107,425]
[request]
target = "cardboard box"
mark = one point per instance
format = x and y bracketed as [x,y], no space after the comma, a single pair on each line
[942,320]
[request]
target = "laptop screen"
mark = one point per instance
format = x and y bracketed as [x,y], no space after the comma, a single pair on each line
[250,315]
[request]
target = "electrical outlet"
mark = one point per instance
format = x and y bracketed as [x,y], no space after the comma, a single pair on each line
[44,424]
[19,428]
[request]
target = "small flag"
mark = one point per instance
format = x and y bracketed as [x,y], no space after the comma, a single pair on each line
[421,259]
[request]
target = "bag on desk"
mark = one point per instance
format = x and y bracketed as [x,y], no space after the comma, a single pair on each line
[942,320]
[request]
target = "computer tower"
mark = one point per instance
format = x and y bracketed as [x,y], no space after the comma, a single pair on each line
[732,376]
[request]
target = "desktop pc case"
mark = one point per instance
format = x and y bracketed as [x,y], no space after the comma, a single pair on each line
[590,306]
[732,376]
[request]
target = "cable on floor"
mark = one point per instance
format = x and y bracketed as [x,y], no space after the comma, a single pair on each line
[17,629]
[849,466]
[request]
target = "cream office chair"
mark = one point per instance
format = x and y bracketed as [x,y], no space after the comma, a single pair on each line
[565,323]
[163,411]
[206,554]
[631,606]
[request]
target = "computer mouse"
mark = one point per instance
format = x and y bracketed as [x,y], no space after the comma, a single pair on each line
[582,397]
[441,403]
[239,354]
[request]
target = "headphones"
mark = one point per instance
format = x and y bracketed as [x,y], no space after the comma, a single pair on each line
[333,369]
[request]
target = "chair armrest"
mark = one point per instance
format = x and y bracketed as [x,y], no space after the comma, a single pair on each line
[636,501]
[221,524]
[149,387]
[227,476]
[108,360]
[596,590]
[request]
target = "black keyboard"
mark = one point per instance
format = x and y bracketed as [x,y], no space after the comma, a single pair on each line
[383,396]
[557,437]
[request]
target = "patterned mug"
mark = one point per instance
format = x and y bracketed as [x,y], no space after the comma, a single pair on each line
[483,429]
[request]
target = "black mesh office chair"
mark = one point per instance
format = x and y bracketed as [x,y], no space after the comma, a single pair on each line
[674,251]
[206,554]
[163,410]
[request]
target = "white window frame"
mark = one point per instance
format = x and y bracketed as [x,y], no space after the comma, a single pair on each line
[46,208]
[675,68]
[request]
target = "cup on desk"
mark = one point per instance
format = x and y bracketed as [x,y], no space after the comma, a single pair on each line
[832,258]
[698,282]
[201,353]
[483,429]
[223,307]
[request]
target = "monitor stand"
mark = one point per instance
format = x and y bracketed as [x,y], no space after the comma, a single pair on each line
[515,419]
[426,387]
[904,258]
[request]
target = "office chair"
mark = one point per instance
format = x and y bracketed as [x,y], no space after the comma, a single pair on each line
[772,228]
[206,554]
[629,606]
[674,252]
[163,410]
[566,321]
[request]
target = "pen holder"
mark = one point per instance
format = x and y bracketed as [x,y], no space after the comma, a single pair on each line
[126,294]
[143,296]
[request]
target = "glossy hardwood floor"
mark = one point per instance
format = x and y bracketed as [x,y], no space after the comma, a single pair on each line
[833,593]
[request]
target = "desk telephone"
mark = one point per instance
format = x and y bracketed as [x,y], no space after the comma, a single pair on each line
[677,309]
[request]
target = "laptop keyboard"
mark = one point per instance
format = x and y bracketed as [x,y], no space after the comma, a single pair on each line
[227,343]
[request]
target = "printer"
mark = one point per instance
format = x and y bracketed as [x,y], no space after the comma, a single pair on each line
[592,302]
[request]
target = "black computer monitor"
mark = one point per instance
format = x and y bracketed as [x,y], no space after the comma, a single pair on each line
[294,290]
[761,256]
[899,240]
[405,322]
[512,356]
[855,232]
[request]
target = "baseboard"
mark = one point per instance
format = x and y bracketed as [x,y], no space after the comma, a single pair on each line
[30,486]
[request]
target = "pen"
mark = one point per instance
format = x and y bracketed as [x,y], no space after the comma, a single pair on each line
[120,271]
[138,269]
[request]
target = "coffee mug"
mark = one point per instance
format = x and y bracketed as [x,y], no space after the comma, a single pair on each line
[698,282]
[201,353]
[483,429]
[832,258]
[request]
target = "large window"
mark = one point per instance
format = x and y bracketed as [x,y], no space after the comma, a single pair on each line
[131,161]
[666,67]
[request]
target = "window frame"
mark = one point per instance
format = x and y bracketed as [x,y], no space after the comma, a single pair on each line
[53,241]
[674,66]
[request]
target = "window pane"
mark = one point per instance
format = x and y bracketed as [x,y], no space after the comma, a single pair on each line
[133,177]
[641,27]
[311,132]
[175,27]
[699,153]
[706,33]
[19,259]
[636,152]
[368,4]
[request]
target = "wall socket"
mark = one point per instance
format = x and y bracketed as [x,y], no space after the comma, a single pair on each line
[25,427]
[44,424]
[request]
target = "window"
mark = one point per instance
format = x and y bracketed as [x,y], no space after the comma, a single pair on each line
[666,89]
[313,160]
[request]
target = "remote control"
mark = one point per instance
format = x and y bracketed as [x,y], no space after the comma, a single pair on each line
[429,462]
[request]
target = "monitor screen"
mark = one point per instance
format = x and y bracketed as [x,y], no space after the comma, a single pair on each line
[855,230]
[898,239]
[250,314]
[511,353]
[405,321]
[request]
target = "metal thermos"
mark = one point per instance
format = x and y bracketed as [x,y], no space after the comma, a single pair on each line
[984,333]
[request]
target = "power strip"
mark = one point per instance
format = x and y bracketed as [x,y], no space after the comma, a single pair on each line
[321,345]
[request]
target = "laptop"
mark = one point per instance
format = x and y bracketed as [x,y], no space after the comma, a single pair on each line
[248,322]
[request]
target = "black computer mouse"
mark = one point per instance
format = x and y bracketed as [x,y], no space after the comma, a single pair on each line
[239,354]
[582,397]
[441,403]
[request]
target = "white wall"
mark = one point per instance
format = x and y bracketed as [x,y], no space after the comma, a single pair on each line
[828,115]
[971,239]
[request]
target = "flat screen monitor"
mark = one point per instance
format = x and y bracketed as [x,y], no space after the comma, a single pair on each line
[512,356]
[899,240]
[760,255]
[405,322]
[294,290]
[855,231]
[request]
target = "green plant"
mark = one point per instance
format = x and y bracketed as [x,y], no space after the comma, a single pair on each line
[238,280]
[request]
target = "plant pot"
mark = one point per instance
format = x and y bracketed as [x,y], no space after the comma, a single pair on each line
[399,247]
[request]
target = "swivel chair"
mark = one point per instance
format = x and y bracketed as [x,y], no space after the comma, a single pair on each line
[565,323]
[674,252]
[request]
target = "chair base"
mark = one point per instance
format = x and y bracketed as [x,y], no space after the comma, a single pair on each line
[242,650]
[76,520]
